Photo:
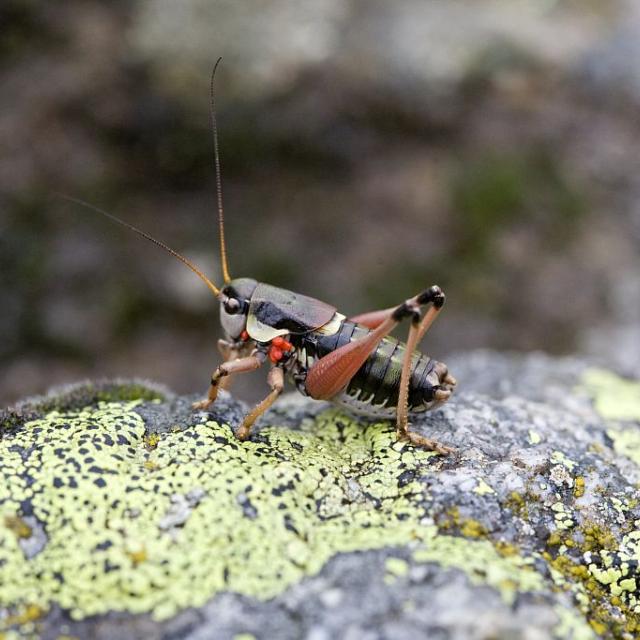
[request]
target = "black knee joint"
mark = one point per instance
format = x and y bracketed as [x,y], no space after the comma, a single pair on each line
[434,294]
[405,311]
[220,373]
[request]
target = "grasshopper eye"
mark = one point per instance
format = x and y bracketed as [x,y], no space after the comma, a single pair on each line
[232,306]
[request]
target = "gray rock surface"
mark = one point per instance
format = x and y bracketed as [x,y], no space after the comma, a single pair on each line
[529,531]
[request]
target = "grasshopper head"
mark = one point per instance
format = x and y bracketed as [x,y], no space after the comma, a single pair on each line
[234,305]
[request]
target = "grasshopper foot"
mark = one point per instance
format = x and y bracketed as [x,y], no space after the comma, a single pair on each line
[243,432]
[205,405]
[426,443]
[202,405]
[442,395]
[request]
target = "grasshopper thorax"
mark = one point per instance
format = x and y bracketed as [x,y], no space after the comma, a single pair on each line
[234,305]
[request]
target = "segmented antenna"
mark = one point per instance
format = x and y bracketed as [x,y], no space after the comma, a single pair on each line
[146,236]
[214,128]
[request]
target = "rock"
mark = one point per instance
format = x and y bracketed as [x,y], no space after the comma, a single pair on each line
[411,41]
[123,514]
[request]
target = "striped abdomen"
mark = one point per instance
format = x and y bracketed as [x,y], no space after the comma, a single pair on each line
[374,389]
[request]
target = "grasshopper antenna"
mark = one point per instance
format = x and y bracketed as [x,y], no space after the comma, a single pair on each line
[146,236]
[216,154]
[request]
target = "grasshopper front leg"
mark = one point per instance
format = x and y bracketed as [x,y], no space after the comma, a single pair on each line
[275,380]
[230,351]
[241,365]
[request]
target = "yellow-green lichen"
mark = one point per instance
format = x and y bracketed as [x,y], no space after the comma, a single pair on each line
[159,530]
[482,563]
[557,457]
[143,522]
[614,397]
[482,488]
[572,625]
[534,437]
[597,594]
[626,442]
[395,568]
[562,516]
[502,567]
[601,574]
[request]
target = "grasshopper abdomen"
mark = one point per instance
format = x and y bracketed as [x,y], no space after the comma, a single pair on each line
[374,390]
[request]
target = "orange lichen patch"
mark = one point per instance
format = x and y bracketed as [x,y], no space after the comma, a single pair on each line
[18,526]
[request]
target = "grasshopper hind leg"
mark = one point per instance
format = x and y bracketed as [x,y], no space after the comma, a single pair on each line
[419,327]
[329,376]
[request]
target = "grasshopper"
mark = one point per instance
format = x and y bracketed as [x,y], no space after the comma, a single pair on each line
[352,362]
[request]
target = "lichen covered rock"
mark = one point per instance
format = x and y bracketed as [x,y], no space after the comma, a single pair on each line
[124,514]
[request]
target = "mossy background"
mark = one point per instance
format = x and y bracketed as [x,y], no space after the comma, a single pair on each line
[369,149]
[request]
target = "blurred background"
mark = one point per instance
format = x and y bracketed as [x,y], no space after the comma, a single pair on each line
[369,149]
